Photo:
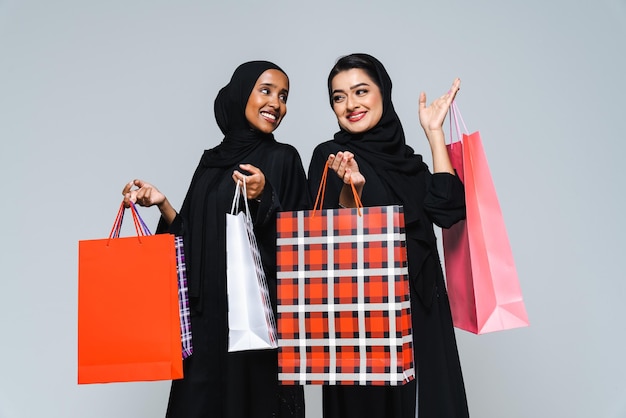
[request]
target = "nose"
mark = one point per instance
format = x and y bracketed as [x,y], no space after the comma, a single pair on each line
[274,101]
[351,103]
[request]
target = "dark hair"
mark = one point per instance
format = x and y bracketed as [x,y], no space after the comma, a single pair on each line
[349,62]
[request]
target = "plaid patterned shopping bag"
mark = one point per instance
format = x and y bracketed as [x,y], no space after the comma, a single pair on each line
[183,298]
[184,311]
[343,297]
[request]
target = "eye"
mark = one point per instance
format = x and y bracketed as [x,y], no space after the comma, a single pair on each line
[338,98]
[264,90]
[361,92]
[283,98]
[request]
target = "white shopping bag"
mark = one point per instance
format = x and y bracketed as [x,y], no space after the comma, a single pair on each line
[251,324]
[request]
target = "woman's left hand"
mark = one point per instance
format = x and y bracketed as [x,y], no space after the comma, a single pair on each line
[432,116]
[255,181]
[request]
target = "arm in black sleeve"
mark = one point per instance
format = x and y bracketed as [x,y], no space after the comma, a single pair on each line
[176,227]
[265,208]
[444,203]
[285,187]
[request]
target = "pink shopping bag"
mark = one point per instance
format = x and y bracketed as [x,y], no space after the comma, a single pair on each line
[483,285]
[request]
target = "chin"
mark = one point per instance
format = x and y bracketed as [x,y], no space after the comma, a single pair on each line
[268,130]
[355,131]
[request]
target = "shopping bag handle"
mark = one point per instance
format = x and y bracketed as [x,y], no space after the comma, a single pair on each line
[455,114]
[140,226]
[234,208]
[321,191]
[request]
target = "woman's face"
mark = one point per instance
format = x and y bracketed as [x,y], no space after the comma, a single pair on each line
[357,101]
[267,104]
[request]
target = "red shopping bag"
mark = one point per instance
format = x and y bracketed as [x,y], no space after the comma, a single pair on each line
[128,316]
[343,297]
[482,281]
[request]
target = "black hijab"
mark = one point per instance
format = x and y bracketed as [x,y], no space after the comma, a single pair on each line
[384,146]
[230,113]
[239,142]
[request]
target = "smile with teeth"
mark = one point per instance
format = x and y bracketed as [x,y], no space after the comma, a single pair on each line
[357,116]
[270,116]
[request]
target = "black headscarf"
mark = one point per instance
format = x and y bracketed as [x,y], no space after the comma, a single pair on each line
[230,113]
[239,142]
[385,148]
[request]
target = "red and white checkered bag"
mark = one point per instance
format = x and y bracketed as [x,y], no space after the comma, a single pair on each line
[343,297]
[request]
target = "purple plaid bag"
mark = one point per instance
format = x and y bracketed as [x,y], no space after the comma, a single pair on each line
[183,296]
[183,299]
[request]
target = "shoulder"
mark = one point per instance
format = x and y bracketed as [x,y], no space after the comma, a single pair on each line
[280,160]
[283,149]
[319,157]
[326,148]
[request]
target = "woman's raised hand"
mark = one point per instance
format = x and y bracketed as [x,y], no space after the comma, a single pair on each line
[432,116]
[431,119]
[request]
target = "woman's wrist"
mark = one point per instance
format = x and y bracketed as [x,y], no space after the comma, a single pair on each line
[167,211]
[434,135]
[347,198]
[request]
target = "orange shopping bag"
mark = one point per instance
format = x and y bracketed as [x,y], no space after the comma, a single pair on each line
[128,318]
[483,286]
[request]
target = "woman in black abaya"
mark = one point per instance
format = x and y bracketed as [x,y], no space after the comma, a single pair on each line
[217,383]
[370,150]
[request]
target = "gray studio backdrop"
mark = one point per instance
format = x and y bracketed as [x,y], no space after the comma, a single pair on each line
[94,94]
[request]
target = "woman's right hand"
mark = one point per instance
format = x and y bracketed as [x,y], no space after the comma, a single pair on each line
[147,195]
[144,195]
[346,168]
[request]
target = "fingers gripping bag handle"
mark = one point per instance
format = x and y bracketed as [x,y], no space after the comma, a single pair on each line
[321,191]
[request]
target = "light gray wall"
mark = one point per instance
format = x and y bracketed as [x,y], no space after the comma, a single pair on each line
[95,93]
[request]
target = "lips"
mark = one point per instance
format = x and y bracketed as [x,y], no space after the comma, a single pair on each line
[355,116]
[269,116]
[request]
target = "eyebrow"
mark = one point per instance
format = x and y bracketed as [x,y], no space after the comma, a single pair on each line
[351,87]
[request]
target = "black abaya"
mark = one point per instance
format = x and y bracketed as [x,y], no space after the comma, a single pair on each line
[439,377]
[396,175]
[217,383]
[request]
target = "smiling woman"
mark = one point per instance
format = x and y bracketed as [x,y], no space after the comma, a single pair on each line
[370,151]
[217,383]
